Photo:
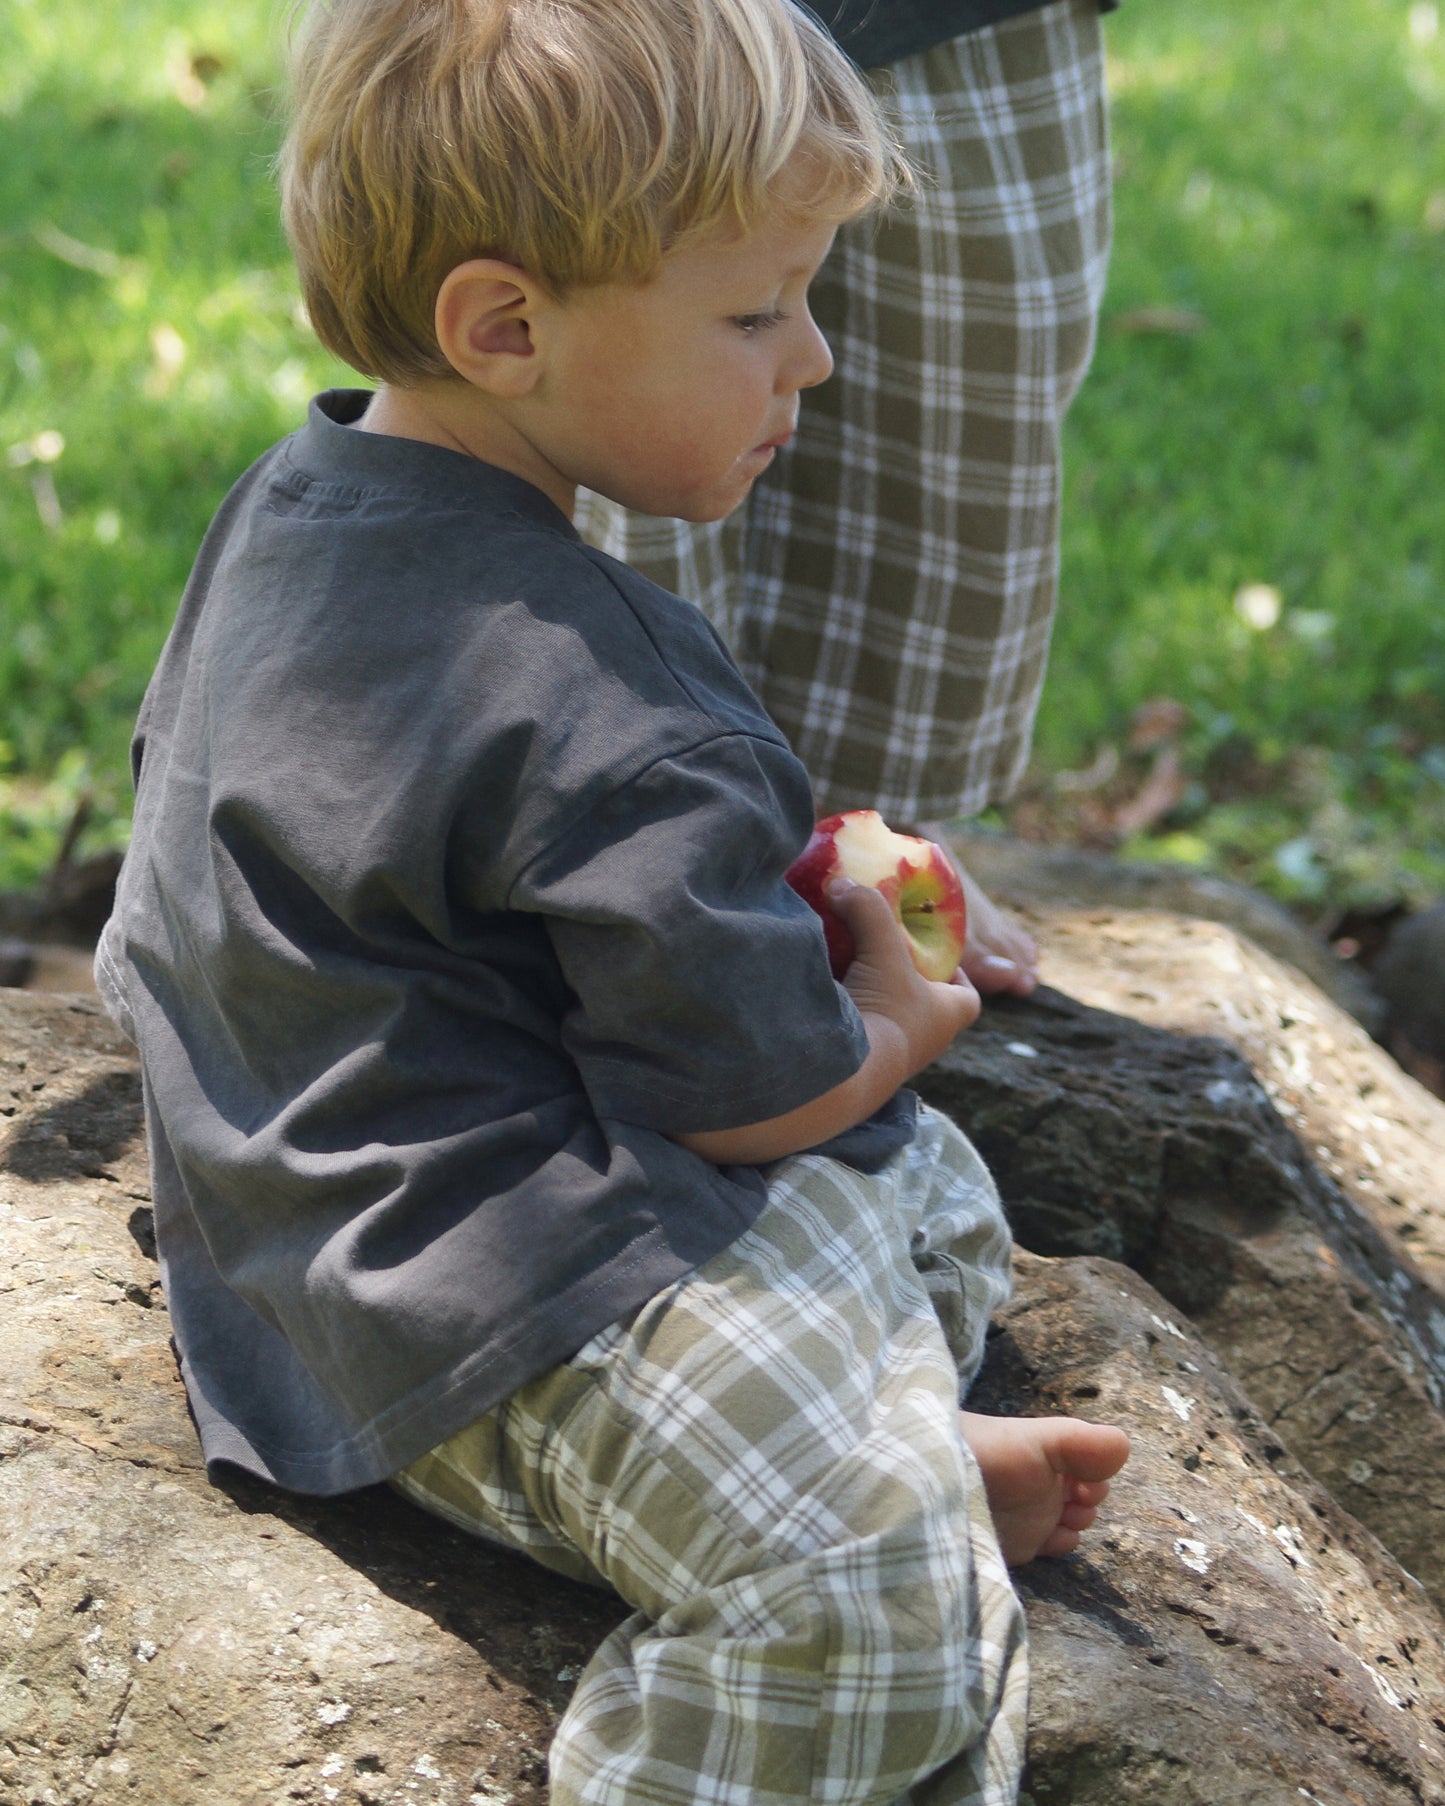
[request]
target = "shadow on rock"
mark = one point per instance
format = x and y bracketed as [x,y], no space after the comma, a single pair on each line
[77,1136]
[1110,1137]
[536,1629]
[1100,1131]
[1225,1632]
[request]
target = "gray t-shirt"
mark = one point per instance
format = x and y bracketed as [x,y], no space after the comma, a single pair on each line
[455,889]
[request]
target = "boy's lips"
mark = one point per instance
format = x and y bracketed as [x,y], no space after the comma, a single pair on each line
[775,444]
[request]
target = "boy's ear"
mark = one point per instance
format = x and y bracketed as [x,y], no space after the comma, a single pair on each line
[485,315]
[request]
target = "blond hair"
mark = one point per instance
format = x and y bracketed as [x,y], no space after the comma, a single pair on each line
[579,139]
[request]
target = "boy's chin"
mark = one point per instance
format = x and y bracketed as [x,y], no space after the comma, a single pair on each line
[723,499]
[701,517]
[696,514]
[718,507]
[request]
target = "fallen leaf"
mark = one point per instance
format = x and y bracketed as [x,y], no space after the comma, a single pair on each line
[1160,792]
[186,84]
[168,355]
[1258,605]
[47,500]
[1156,721]
[1092,776]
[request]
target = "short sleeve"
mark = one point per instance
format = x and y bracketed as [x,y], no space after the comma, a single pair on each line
[703,997]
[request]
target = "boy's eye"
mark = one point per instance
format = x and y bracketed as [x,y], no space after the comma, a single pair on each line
[759,322]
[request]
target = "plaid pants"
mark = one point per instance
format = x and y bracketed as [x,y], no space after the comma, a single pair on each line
[889,587]
[765,1462]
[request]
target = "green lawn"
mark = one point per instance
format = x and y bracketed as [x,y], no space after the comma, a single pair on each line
[1281,176]
[149,317]
[1281,188]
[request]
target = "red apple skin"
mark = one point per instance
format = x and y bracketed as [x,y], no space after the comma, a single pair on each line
[810,874]
[922,886]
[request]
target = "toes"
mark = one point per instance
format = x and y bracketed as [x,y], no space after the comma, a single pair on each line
[993,974]
[1090,1452]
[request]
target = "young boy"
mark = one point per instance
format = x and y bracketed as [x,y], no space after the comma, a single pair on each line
[510,1137]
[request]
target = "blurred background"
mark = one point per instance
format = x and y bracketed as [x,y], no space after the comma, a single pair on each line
[1249,670]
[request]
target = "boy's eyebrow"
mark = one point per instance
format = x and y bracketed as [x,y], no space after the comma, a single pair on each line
[803,266]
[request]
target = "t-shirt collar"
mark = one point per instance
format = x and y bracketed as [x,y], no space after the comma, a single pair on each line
[329,449]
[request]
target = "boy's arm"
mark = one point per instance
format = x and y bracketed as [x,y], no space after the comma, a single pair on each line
[909,1020]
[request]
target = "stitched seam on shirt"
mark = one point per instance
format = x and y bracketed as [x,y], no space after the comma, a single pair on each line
[398,1415]
[301,483]
[737,1100]
[599,562]
[593,804]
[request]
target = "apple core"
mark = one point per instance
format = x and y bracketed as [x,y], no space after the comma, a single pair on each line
[916,877]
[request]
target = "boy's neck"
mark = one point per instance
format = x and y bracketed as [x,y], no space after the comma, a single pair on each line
[455,417]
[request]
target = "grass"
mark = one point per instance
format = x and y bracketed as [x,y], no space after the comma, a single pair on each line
[1281,192]
[151,345]
[1280,184]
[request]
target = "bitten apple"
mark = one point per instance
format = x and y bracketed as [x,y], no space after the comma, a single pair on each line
[917,878]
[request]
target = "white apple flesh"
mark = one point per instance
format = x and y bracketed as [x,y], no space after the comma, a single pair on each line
[917,878]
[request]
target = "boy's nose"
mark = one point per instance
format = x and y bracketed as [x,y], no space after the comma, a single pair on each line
[814,361]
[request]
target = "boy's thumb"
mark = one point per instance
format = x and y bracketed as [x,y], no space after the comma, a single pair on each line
[860,908]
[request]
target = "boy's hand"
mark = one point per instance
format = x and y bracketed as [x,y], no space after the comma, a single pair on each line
[883,981]
[1000,956]
[909,1019]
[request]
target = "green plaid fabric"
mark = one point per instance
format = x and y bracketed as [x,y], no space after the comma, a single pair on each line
[765,1462]
[889,587]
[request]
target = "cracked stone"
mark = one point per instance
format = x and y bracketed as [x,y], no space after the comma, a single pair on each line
[1156,1144]
[1260,1677]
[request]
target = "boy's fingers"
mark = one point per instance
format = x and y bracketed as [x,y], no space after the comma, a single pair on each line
[866,915]
[969,1004]
[882,950]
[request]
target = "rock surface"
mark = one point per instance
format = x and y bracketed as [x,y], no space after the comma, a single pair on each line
[1377,1132]
[162,1640]
[1111,1137]
[1410,977]
[1027,875]
[1347,1390]
[1231,1636]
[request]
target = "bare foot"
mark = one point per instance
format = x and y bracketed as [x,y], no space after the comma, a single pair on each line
[1045,1478]
[1000,954]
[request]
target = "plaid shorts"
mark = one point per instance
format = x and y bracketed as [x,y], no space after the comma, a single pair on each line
[889,588]
[765,1462]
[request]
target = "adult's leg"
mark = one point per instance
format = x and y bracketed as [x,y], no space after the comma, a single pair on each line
[765,1462]
[890,586]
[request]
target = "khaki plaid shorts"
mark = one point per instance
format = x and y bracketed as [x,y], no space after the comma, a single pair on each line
[889,588]
[765,1462]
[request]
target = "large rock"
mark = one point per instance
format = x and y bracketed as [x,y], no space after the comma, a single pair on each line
[162,1640]
[1032,877]
[168,1644]
[1371,1143]
[1374,1130]
[1231,1637]
[1297,1216]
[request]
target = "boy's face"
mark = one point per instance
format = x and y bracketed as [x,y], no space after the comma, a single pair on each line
[673,397]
